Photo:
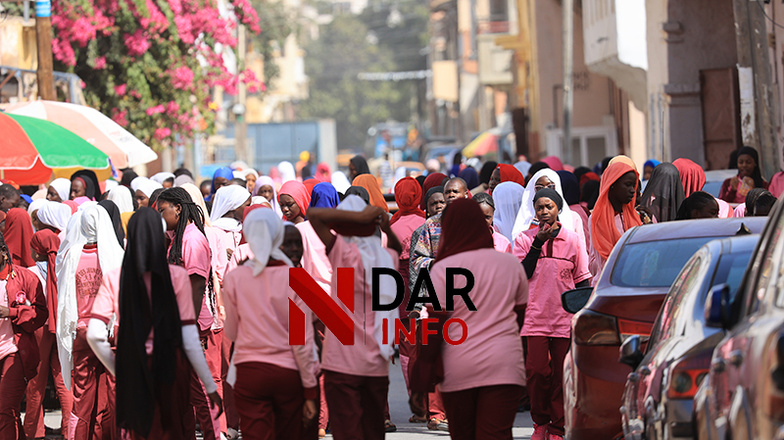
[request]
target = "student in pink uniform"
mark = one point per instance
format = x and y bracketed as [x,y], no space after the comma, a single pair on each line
[22,312]
[276,389]
[190,249]
[554,261]
[483,376]
[90,249]
[147,305]
[294,201]
[487,205]
[356,377]
[228,204]
[44,247]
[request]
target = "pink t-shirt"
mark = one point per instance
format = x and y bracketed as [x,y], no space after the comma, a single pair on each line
[403,228]
[7,345]
[107,304]
[740,210]
[492,353]
[226,240]
[257,320]
[88,280]
[500,243]
[197,259]
[562,263]
[314,256]
[586,220]
[776,186]
[364,357]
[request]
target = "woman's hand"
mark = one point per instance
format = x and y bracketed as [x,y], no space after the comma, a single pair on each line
[309,411]
[734,182]
[370,214]
[215,400]
[546,231]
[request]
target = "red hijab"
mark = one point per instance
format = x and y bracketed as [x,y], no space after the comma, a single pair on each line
[589,176]
[299,193]
[463,229]
[433,180]
[46,242]
[511,174]
[604,234]
[408,193]
[692,175]
[18,233]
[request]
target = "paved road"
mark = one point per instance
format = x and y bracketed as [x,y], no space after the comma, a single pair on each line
[398,406]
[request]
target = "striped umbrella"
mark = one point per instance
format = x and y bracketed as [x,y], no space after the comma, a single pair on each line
[32,150]
[483,144]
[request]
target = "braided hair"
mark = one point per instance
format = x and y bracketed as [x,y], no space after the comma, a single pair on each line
[4,248]
[485,198]
[189,212]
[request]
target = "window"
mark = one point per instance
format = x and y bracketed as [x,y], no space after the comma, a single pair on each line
[654,263]
[689,279]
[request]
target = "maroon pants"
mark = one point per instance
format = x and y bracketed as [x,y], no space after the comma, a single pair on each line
[34,416]
[93,416]
[544,372]
[206,415]
[229,407]
[482,413]
[356,405]
[12,387]
[269,401]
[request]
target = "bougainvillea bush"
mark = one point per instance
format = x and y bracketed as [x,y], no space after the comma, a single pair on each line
[151,64]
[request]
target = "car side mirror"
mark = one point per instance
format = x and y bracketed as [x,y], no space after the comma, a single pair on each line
[717,306]
[631,352]
[574,300]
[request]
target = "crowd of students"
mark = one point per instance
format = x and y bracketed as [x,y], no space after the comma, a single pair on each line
[200,278]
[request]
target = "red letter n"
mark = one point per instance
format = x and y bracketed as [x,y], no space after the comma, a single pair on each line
[326,309]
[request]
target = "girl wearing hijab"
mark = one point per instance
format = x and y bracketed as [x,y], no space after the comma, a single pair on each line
[84,183]
[275,381]
[166,180]
[340,181]
[22,312]
[692,175]
[484,176]
[324,195]
[122,197]
[323,173]
[507,198]
[228,205]
[470,176]
[191,249]
[59,190]
[526,217]
[356,376]
[144,189]
[250,176]
[220,178]
[18,233]
[431,181]
[486,203]
[356,167]
[287,172]
[483,377]
[614,212]
[294,200]
[114,215]
[44,247]
[734,189]
[648,167]
[505,173]
[664,193]
[544,251]
[156,334]
[265,187]
[89,250]
[370,183]
[553,162]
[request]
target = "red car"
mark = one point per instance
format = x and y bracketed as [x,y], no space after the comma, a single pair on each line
[625,302]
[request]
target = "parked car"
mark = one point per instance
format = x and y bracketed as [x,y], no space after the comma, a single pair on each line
[624,302]
[659,393]
[743,394]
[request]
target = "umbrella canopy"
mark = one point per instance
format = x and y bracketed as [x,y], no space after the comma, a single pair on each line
[123,148]
[31,149]
[481,145]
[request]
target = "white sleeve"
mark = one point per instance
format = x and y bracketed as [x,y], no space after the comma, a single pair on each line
[191,345]
[98,338]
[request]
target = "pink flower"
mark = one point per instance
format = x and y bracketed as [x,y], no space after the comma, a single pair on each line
[135,94]
[182,78]
[82,31]
[155,110]
[136,43]
[172,107]
[185,29]
[100,63]
[120,117]
[120,90]
[162,133]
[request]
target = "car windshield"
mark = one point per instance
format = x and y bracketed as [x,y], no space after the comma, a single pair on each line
[654,263]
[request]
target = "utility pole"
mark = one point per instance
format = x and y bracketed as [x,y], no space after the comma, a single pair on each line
[239,109]
[43,35]
[568,68]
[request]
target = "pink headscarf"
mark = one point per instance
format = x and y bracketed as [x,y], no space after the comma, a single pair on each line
[554,163]
[299,193]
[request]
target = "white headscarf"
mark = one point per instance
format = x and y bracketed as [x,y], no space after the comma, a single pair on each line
[226,199]
[161,177]
[527,213]
[287,171]
[247,172]
[147,186]
[374,255]
[267,180]
[109,185]
[122,197]
[91,225]
[264,232]
[136,182]
[259,200]
[54,214]
[507,197]
[63,188]
[36,205]
[340,181]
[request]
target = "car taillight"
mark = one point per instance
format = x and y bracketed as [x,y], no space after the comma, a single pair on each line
[591,328]
[687,375]
[627,328]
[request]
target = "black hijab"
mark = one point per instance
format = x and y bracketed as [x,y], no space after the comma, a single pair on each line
[137,382]
[664,193]
[570,186]
[91,187]
[114,214]
[360,164]
[590,193]
[487,171]
[359,191]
